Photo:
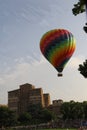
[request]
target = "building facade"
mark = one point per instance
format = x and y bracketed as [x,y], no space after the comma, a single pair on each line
[19,100]
[13,100]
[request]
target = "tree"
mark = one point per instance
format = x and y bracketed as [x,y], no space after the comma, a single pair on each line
[25,118]
[40,114]
[80,7]
[83,69]
[35,112]
[72,110]
[46,115]
[85,109]
[7,117]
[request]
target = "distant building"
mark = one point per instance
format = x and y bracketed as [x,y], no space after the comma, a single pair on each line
[55,107]
[19,100]
[3,105]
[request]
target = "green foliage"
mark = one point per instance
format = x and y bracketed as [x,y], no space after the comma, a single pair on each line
[58,129]
[46,115]
[40,114]
[35,110]
[25,118]
[74,110]
[35,115]
[79,7]
[7,117]
[83,69]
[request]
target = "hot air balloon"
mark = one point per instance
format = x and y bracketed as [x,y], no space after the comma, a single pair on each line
[57,46]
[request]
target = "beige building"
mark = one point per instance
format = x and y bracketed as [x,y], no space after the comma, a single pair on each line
[19,100]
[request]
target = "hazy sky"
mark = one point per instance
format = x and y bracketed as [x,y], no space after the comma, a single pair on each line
[22,24]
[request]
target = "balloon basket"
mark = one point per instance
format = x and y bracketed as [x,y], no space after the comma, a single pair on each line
[60,74]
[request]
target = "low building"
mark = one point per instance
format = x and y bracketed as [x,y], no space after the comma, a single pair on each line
[55,107]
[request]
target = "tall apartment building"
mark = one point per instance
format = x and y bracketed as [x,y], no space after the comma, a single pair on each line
[19,100]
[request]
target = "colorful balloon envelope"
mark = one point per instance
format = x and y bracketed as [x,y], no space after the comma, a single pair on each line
[57,46]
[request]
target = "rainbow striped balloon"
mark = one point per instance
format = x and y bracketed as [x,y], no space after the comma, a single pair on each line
[57,46]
